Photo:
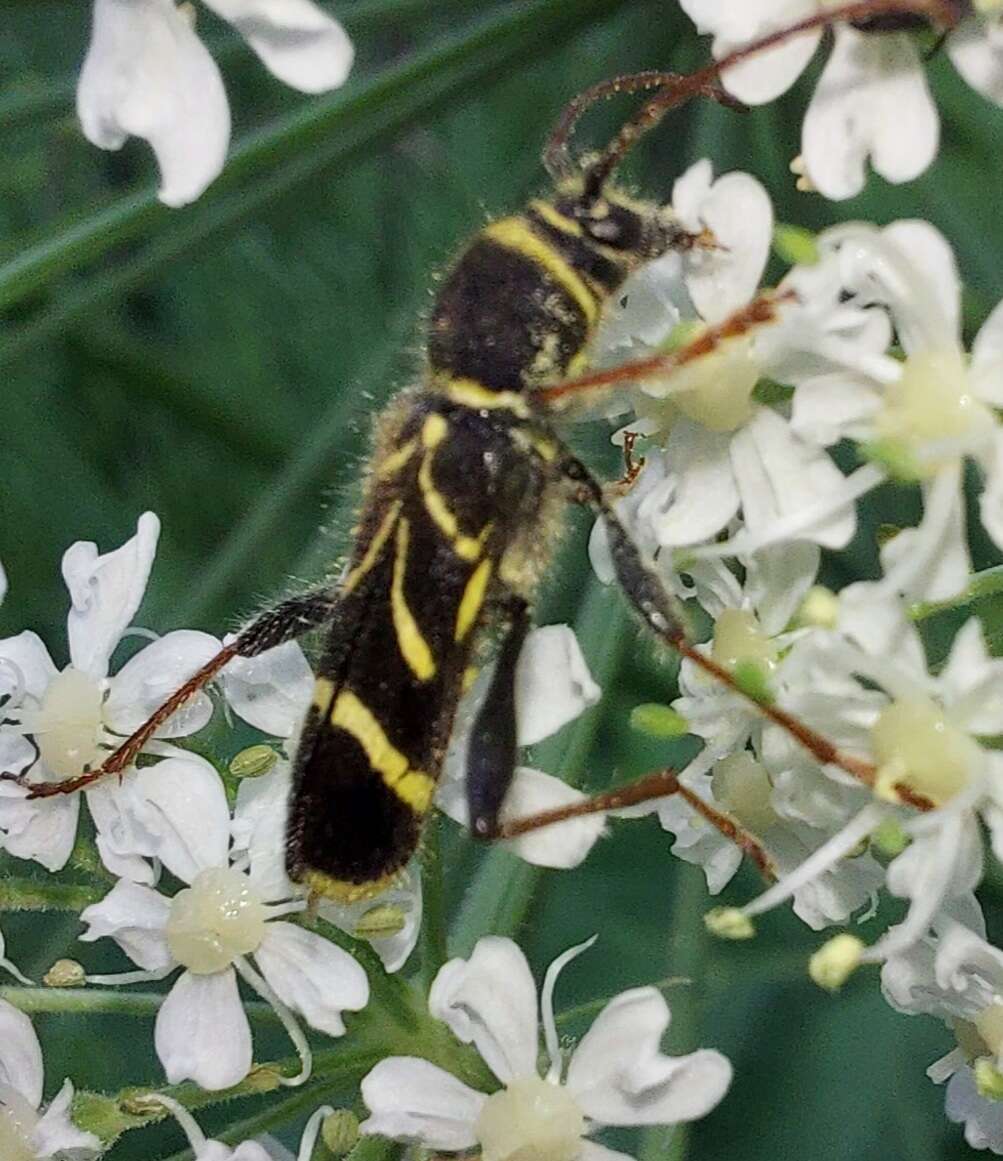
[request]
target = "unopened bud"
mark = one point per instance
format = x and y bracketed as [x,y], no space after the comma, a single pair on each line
[381,922]
[835,961]
[795,245]
[988,1079]
[819,609]
[729,923]
[340,1132]
[658,721]
[890,837]
[65,973]
[254,761]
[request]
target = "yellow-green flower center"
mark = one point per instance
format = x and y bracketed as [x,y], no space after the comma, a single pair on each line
[989,1025]
[68,727]
[739,639]
[214,920]
[931,404]
[716,389]
[917,746]
[17,1122]
[530,1120]
[743,788]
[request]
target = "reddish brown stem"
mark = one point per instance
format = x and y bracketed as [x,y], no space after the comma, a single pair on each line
[661,784]
[760,311]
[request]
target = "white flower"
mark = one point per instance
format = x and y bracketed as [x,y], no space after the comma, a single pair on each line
[210,1150]
[209,929]
[722,452]
[148,75]
[872,100]
[3,582]
[922,733]
[923,416]
[747,768]
[27,1132]
[958,976]
[55,724]
[553,686]
[615,1076]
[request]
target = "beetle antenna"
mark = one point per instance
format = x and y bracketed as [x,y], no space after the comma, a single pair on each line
[675,89]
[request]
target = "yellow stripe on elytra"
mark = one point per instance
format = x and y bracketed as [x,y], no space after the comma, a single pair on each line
[413,787]
[413,646]
[472,599]
[372,553]
[392,463]
[553,217]
[515,234]
[468,548]
[470,393]
[323,691]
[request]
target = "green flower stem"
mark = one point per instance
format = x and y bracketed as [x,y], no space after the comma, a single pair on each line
[268,163]
[105,1002]
[988,583]
[48,895]
[502,889]
[594,1007]
[432,939]
[688,940]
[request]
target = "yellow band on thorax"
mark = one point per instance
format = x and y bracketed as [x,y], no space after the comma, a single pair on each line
[515,234]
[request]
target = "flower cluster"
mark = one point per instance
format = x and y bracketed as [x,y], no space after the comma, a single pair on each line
[864,344]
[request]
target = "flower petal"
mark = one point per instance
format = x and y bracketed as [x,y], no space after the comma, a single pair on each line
[271,691]
[563,845]
[56,1135]
[312,976]
[297,41]
[412,1100]
[258,828]
[490,1000]
[931,260]
[182,804]
[982,1117]
[44,829]
[987,360]
[146,680]
[148,75]
[739,213]
[764,75]
[978,57]
[105,592]
[872,99]
[20,1054]
[33,667]
[698,495]
[552,683]
[135,917]
[404,901]
[619,1077]
[202,1033]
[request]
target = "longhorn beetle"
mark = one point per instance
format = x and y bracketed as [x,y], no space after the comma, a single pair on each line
[467,478]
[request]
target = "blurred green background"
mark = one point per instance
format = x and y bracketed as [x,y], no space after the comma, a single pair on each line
[220,365]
